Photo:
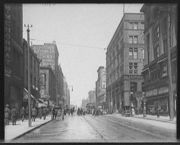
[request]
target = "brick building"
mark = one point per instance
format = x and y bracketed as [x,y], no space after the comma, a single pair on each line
[34,74]
[48,54]
[124,63]
[47,83]
[160,35]
[101,88]
[13,55]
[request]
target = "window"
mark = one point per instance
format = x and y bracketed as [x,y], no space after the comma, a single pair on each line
[135,53]
[135,68]
[131,39]
[135,39]
[142,53]
[135,25]
[130,52]
[156,51]
[142,25]
[130,68]
[164,71]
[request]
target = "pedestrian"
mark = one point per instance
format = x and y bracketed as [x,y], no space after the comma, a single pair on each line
[13,115]
[27,112]
[44,113]
[62,113]
[7,114]
[54,113]
[22,113]
[34,112]
[40,112]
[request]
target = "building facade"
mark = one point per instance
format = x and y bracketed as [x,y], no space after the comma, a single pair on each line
[160,35]
[34,74]
[48,54]
[101,88]
[47,83]
[124,63]
[13,55]
[66,96]
[60,85]
[84,103]
[92,97]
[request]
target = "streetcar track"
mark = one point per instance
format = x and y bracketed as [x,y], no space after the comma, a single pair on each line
[157,136]
[95,129]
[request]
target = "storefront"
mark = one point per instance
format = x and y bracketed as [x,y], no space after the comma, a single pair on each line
[157,97]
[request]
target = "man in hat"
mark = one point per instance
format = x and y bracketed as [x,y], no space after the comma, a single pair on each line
[7,114]
[22,113]
[13,115]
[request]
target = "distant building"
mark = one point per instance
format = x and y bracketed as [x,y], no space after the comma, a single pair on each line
[92,97]
[60,84]
[124,63]
[66,94]
[84,103]
[155,72]
[34,74]
[13,55]
[48,54]
[47,83]
[101,88]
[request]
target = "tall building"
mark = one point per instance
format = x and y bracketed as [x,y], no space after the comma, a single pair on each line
[160,36]
[34,75]
[124,63]
[13,55]
[66,95]
[48,54]
[84,103]
[92,97]
[47,83]
[60,85]
[101,88]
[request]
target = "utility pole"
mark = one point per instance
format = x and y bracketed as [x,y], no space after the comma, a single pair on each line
[29,88]
[169,44]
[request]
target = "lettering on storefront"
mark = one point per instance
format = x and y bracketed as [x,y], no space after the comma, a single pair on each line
[151,93]
[157,91]
[163,90]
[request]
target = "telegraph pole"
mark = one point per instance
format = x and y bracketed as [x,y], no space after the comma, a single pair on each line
[29,88]
[171,100]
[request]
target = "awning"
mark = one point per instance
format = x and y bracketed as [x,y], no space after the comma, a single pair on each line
[26,95]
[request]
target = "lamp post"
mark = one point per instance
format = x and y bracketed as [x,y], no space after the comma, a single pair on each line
[29,89]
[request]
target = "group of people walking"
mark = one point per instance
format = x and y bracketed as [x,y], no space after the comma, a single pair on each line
[80,112]
[14,114]
[61,112]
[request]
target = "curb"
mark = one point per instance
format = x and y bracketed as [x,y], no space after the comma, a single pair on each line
[29,130]
[155,119]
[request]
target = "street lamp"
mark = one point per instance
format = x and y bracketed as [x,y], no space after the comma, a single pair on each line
[29,89]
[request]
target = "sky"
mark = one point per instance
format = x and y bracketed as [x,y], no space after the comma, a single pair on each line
[82,33]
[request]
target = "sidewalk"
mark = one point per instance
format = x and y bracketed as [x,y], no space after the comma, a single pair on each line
[162,122]
[14,131]
[154,117]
